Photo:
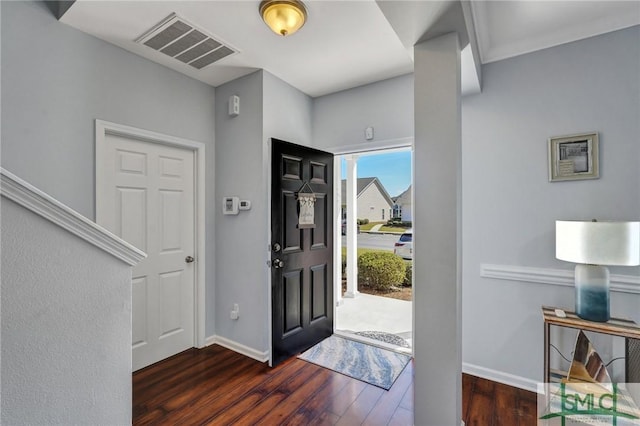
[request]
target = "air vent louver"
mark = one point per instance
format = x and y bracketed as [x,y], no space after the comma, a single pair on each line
[181,40]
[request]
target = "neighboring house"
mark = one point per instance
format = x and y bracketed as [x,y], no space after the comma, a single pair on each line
[402,205]
[374,202]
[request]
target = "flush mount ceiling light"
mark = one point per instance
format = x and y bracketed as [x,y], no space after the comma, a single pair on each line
[284,17]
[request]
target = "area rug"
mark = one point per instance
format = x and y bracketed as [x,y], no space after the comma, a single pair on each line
[370,364]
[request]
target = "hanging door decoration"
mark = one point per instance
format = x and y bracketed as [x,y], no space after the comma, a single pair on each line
[306,207]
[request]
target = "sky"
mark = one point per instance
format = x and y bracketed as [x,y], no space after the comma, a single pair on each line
[392,169]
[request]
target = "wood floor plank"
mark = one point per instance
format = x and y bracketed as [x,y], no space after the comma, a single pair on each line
[249,403]
[345,398]
[389,402]
[297,391]
[505,405]
[484,386]
[221,400]
[527,408]
[402,417]
[151,376]
[152,417]
[361,407]
[468,383]
[185,376]
[482,407]
[191,384]
[407,400]
[325,419]
[315,407]
[217,386]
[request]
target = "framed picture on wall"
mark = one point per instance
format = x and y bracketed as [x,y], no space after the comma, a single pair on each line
[574,157]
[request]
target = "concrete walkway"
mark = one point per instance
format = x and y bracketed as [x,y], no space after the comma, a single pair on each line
[376,228]
[366,312]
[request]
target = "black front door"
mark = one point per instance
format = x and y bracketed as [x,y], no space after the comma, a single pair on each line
[301,254]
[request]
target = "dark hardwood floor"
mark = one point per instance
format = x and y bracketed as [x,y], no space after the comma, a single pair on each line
[217,386]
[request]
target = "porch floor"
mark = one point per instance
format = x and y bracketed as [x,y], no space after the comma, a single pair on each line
[367,312]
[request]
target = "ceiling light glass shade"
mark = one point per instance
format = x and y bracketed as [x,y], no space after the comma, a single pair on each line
[598,243]
[284,17]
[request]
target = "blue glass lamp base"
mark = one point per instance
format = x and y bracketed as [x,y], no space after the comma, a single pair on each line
[592,292]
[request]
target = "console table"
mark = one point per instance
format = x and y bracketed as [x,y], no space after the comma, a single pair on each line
[627,329]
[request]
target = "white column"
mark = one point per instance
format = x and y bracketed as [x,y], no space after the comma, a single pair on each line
[337,232]
[352,226]
[437,232]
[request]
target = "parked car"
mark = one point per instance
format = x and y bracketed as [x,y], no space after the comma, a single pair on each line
[404,245]
[344,227]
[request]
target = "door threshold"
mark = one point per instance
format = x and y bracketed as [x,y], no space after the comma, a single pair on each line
[373,342]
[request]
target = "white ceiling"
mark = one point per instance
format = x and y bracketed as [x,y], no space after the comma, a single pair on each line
[345,44]
[510,28]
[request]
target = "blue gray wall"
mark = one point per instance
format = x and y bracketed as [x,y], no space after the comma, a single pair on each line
[510,208]
[339,119]
[269,108]
[55,82]
[241,240]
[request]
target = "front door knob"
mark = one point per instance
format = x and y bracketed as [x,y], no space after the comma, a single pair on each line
[189,259]
[277,263]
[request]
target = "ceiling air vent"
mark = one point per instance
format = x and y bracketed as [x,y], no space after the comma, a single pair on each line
[181,40]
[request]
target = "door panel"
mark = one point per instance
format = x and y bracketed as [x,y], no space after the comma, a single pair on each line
[319,233]
[146,197]
[291,235]
[292,286]
[319,302]
[302,289]
[132,205]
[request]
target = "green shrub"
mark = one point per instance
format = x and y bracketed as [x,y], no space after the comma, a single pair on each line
[380,270]
[408,275]
[365,221]
[399,223]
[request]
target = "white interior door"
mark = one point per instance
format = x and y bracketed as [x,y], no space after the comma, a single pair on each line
[145,195]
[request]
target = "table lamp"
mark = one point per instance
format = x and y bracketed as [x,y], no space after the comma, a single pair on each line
[593,245]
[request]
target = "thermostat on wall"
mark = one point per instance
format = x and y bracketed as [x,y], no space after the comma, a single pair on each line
[230,205]
[245,205]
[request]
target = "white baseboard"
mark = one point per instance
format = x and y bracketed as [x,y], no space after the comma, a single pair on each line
[500,377]
[262,356]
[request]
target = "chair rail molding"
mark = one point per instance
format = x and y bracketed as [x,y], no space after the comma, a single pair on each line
[560,277]
[42,204]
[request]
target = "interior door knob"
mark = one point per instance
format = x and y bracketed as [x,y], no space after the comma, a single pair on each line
[189,259]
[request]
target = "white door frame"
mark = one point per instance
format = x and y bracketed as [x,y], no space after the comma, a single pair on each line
[104,128]
[391,145]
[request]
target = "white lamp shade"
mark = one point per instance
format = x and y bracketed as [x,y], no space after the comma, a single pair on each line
[598,243]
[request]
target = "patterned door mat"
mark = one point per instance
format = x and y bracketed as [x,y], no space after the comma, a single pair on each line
[370,364]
